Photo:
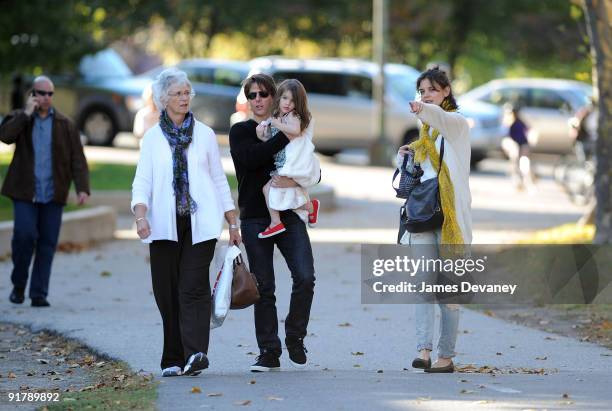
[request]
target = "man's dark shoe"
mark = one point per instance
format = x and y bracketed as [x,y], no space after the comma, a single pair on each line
[40,302]
[196,363]
[297,352]
[267,361]
[17,296]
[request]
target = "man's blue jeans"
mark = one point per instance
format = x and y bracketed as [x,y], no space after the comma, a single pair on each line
[294,245]
[36,227]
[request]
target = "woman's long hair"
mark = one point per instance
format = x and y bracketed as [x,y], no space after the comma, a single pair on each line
[300,100]
[438,78]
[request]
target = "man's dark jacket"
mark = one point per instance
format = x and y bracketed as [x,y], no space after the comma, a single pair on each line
[66,152]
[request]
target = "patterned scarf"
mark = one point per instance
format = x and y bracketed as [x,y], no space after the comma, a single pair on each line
[425,147]
[179,139]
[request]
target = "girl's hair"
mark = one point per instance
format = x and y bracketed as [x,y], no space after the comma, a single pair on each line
[300,100]
[438,77]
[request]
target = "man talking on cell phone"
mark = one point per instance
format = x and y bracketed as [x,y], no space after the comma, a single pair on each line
[48,157]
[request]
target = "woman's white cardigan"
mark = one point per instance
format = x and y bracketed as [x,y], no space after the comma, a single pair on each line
[207,185]
[457,152]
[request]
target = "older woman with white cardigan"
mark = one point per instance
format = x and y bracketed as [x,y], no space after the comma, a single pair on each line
[180,195]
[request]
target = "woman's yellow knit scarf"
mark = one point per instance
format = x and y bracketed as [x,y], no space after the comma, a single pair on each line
[425,147]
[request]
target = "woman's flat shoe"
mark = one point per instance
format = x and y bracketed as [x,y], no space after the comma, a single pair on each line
[421,363]
[446,369]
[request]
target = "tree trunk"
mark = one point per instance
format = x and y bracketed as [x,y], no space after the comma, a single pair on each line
[598,16]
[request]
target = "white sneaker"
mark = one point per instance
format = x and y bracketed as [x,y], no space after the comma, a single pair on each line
[172,371]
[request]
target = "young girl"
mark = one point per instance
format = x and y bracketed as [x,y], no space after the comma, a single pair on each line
[297,160]
[441,124]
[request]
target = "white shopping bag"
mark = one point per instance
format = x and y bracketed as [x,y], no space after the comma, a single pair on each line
[222,291]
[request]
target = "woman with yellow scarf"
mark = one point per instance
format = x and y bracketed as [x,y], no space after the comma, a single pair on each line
[437,110]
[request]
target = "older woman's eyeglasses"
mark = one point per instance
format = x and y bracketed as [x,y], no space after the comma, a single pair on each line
[179,94]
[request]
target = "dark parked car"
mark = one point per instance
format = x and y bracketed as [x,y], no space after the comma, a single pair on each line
[102,98]
[216,84]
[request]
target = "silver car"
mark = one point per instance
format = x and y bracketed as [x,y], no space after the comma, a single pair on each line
[547,106]
[216,83]
[340,99]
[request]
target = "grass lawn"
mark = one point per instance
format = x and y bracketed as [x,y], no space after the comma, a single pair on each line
[103,176]
[588,322]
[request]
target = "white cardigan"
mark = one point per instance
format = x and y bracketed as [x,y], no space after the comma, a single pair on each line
[457,152]
[208,185]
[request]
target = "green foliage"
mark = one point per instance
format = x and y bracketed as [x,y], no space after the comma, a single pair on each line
[479,39]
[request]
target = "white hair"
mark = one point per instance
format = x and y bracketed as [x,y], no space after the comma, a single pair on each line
[163,82]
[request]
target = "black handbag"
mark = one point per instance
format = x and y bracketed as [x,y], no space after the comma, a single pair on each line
[422,211]
[410,175]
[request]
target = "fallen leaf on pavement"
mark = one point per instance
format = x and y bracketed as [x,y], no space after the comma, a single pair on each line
[196,390]
[12,375]
[214,394]
[43,361]
[245,402]
[489,313]
[273,398]
[565,395]
[344,325]
[541,358]
[466,391]
[252,382]
[105,274]
[357,353]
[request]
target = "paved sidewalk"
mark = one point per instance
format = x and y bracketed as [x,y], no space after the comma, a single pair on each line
[358,353]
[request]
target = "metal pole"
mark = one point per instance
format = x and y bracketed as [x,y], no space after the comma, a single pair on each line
[381,151]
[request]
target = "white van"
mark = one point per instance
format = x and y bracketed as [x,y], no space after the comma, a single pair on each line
[341,102]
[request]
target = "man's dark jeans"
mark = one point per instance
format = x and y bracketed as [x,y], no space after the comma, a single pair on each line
[294,245]
[36,226]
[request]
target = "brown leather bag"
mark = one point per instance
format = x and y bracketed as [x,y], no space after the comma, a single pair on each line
[245,291]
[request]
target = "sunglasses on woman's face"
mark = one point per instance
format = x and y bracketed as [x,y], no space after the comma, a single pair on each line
[43,93]
[253,95]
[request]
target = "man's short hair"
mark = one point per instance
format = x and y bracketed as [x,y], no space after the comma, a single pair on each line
[262,80]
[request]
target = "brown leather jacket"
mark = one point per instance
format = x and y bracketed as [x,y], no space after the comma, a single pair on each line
[67,153]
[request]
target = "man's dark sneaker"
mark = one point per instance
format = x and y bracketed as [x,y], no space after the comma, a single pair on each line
[297,351]
[17,296]
[267,361]
[196,363]
[40,302]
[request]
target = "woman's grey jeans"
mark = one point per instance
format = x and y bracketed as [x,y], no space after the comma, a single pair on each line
[424,313]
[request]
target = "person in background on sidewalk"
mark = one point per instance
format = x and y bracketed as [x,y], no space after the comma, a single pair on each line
[254,160]
[441,124]
[147,116]
[48,157]
[519,152]
[180,195]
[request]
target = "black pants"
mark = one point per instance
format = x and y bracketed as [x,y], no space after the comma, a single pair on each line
[294,245]
[181,286]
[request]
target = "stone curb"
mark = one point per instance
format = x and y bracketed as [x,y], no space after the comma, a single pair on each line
[81,226]
[120,199]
